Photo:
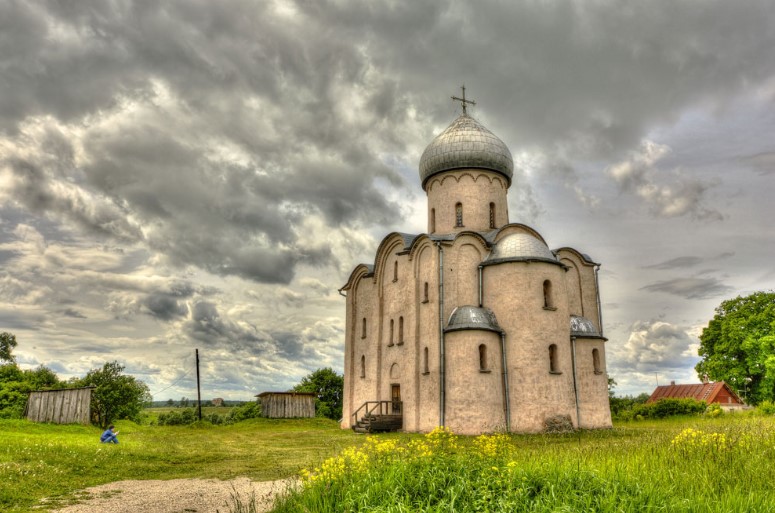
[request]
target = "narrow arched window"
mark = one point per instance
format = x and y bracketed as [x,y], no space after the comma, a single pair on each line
[459,215]
[482,357]
[553,367]
[492,215]
[596,361]
[425,361]
[433,221]
[400,331]
[548,302]
[425,293]
[363,366]
[395,270]
[363,328]
[390,340]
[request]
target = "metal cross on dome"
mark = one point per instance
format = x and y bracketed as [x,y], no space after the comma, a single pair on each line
[463,100]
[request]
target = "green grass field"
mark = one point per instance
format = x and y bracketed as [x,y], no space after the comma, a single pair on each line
[53,461]
[639,466]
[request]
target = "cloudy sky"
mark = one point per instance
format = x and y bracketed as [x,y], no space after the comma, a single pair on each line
[196,174]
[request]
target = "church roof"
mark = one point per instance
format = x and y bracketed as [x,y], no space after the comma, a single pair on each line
[466,144]
[472,318]
[408,238]
[582,327]
[584,256]
[520,246]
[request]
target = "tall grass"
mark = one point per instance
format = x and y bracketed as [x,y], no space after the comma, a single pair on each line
[697,465]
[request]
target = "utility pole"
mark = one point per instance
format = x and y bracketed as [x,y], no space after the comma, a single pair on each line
[198,393]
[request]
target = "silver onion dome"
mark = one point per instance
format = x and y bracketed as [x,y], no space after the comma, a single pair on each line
[582,327]
[519,247]
[466,143]
[472,318]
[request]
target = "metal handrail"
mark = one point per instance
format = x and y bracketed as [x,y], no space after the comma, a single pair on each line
[383,406]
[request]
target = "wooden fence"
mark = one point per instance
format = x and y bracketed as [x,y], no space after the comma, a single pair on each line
[66,406]
[286,405]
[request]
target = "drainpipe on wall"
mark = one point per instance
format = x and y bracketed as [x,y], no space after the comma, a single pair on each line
[480,286]
[575,382]
[505,380]
[599,306]
[442,384]
[505,373]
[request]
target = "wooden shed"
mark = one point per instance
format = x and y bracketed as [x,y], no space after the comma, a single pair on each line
[718,392]
[287,405]
[63,406]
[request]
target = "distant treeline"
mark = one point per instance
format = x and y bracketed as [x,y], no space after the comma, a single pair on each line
[186,403]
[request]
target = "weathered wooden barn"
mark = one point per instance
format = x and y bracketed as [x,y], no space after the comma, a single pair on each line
[287,405]
[718,392]
[64,406]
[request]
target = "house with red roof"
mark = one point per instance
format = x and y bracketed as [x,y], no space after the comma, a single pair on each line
[718,392]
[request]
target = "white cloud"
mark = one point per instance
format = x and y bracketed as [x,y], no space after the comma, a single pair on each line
[682,195]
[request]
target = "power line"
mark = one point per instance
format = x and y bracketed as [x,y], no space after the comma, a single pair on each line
[173,383]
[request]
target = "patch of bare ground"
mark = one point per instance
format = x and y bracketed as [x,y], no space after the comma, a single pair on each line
[177,496]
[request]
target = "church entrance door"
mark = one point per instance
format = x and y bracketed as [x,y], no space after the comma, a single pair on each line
[395,396]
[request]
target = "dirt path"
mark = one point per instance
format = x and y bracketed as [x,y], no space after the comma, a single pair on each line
[177,496]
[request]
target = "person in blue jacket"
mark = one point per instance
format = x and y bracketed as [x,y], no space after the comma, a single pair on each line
[109,436]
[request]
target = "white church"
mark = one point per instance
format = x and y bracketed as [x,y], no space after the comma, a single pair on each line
[476,325]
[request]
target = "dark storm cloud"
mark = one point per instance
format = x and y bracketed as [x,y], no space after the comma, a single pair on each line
[288,345]
[93,348]
[687,261]
[208,131]
[164,307]
[266,141]
[35,188]
[10,320]
[211,128]
[71,312]
[6,255]
[206,325]
[676,263]
[690,288]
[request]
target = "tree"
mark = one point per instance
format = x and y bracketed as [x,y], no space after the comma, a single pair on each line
[622,407]
[738,346]
[16,384]
[328,387]
[116,396]
[611,386]
[7,344]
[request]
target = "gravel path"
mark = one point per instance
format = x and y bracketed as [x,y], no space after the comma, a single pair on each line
[177,496]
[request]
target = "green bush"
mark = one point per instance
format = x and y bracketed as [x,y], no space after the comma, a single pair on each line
[621,407]
[188,416]
[174,418]
[766,408]
[666,408]
[214,419]
[251,410]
